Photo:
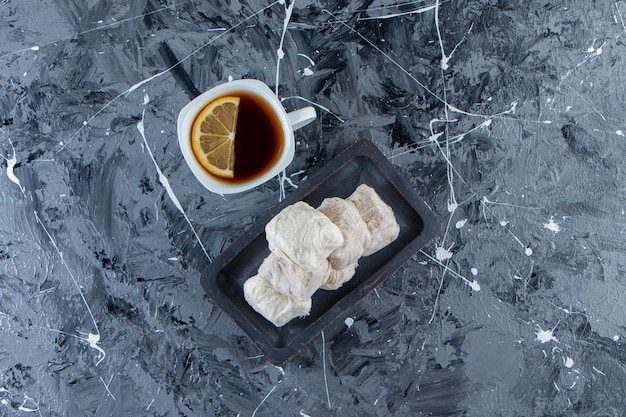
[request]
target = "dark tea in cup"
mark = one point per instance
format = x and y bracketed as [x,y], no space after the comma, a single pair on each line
[238,135]
[257,136]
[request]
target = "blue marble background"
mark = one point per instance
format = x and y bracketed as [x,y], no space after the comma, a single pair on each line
[506,116]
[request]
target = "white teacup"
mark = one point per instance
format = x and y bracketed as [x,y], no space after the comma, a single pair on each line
[289,122]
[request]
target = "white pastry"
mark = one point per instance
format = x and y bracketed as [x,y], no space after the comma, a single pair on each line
[378,217]
[302,235]
[271,304]
[289,279]
[356,236]
[336,278]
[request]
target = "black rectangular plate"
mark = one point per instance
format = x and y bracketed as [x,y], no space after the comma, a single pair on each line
[360,163]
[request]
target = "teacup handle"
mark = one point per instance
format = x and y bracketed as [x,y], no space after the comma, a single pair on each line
[301,117]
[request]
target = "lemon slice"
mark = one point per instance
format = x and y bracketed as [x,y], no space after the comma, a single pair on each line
[213,136]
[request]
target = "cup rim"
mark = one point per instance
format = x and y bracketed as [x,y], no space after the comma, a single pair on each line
[191,109]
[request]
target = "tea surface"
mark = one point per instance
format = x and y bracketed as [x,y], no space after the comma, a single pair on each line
[258,138]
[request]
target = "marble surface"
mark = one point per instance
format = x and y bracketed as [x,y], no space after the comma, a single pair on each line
[506,117]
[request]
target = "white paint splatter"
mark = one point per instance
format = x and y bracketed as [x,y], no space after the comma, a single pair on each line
[393,15]
[528,251]
[28,405]
[263,400]
[162,178]
[568,362]
[552,226]
[146,99]
[282,179]
[349,322]
[616,338]
[486,123]
[279,51]
[324,368]
[442,253]
[474,285]
[168,188]
[34,48]
[619,132]
[444,58]
[307,72]
[106,386]
[435,137]
[474,271]
[460,223]
[444,62]
[11,162]
[308,58]
[92,340]
[504,223]
[545,336]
